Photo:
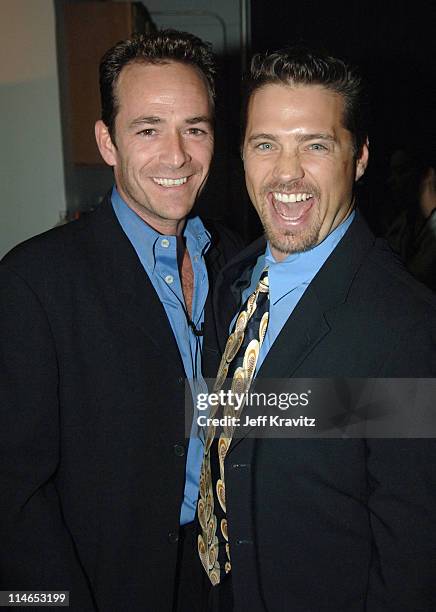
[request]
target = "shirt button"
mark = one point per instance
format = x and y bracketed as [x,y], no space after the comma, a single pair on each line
[169,279]
[179,450]
[173,537]
[165,243]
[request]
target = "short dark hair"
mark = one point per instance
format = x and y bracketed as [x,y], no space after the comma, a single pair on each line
[156,48]
[301,66]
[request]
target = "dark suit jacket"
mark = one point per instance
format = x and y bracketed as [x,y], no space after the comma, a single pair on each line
[337,525]
[92,418]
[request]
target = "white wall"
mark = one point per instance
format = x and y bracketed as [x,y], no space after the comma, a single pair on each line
[31,158]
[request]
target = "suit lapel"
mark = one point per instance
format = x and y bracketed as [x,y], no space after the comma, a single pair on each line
[313,317]
[300,334]
[127,285]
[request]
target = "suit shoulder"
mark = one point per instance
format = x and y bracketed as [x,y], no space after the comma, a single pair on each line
[45,251]
[397,288]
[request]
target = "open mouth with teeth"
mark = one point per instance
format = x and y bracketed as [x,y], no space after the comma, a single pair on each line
[170,182]
[291,207]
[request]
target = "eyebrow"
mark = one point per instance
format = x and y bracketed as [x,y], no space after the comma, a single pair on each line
[317,136]
[299,137]
[262,136]
[154,120]
[148,120]
[199,119]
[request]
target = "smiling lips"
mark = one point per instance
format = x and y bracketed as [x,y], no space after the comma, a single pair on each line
[169,182]
[301,203]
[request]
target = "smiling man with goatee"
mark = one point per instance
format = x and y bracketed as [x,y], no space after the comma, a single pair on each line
[317,525]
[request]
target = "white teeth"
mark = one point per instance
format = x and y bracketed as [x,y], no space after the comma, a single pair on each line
[291,197]
[167,182]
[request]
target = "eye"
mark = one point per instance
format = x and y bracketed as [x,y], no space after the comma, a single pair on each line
[196,132]
[264,146]
[147,132]
[316,146]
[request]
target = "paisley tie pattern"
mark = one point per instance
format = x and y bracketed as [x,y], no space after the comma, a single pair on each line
[238,363]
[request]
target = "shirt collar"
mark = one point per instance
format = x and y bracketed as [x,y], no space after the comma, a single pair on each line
[300,268]
[144,238]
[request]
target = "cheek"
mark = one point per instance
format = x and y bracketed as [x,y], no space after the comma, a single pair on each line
[201,152]
[329,177]
[206,165]
[344,178]
[322,169]
[142,152]
[249,182]
[255,174]
[205,160]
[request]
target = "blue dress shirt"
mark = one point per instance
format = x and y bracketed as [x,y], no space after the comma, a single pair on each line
[158,255]
[289,279]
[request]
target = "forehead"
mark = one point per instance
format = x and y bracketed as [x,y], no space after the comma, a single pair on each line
[172,83]
[291,107]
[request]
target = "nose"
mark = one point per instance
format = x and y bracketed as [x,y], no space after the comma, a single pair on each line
[288,167]
[174,153]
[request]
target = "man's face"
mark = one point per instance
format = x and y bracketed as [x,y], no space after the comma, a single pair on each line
[163,141]
[300,165]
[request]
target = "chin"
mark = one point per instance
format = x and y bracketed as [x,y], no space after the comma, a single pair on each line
[289,242]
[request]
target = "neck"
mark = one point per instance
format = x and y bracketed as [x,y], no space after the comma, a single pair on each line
[168,227]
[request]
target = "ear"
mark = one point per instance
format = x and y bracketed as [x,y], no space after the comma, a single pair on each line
[362,160]
[107,149]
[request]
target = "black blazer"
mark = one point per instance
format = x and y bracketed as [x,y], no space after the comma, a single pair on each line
[337,525]
[92,432]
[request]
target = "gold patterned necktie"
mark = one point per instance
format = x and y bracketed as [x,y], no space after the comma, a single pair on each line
[238,363]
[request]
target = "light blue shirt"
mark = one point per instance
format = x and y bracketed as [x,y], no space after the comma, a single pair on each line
[158,255]
[289,279]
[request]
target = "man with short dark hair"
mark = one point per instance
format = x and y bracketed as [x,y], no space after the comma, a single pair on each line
[319,525]
[101,322]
